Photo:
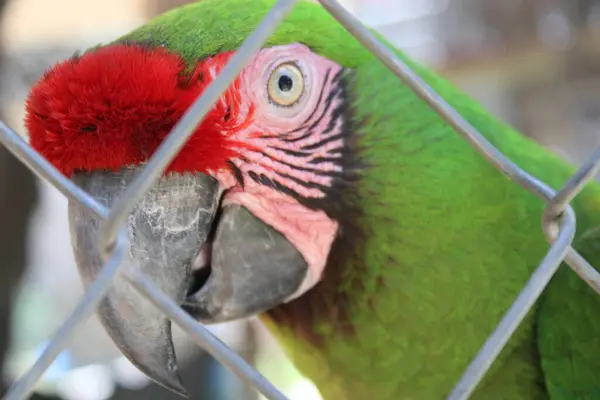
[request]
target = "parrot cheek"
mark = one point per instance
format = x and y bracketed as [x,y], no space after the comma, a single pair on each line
[166,232]
[253,268]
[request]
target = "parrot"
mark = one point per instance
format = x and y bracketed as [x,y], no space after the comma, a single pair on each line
[321,195]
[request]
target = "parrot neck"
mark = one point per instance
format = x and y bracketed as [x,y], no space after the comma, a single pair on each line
[328,301]
[304,313]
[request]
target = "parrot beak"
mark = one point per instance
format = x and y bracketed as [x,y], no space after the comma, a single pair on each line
[166,231]
[248,267]
[253,268]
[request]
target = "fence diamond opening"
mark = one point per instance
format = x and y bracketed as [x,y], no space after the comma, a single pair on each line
[558,220]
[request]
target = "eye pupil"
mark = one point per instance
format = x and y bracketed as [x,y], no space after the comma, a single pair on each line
[285,83]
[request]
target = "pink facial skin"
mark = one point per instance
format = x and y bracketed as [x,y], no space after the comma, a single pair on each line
[312,232]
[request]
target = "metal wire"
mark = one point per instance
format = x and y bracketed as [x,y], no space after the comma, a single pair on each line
[202,336]
[461,125]
[83,310]
[188,123]
[42,168]
[517,312]
[558,220]
[94,294]
[558,204]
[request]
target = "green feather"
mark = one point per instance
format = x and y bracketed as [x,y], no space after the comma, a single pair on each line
[446,242]
[209,27]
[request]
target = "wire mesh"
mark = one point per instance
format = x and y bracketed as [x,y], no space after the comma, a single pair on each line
[558,220]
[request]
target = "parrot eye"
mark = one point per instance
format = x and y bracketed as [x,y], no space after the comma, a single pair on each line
[286,85]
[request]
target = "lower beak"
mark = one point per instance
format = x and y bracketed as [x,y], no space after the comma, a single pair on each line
[252,268]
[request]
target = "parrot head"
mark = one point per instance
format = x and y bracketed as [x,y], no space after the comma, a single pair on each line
[244,217]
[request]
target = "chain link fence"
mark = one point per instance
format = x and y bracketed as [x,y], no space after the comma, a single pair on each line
[558,220]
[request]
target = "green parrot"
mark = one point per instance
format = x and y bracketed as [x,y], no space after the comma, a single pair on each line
[322,194]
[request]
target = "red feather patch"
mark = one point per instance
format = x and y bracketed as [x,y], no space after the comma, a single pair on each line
[113,106]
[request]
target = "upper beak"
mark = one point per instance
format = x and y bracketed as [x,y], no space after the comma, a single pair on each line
[253,267]
[166,231]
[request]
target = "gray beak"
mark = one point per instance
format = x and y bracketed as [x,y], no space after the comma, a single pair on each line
[252,268]
[166,230]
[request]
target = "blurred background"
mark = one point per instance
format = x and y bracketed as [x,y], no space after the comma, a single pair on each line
[532,63]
